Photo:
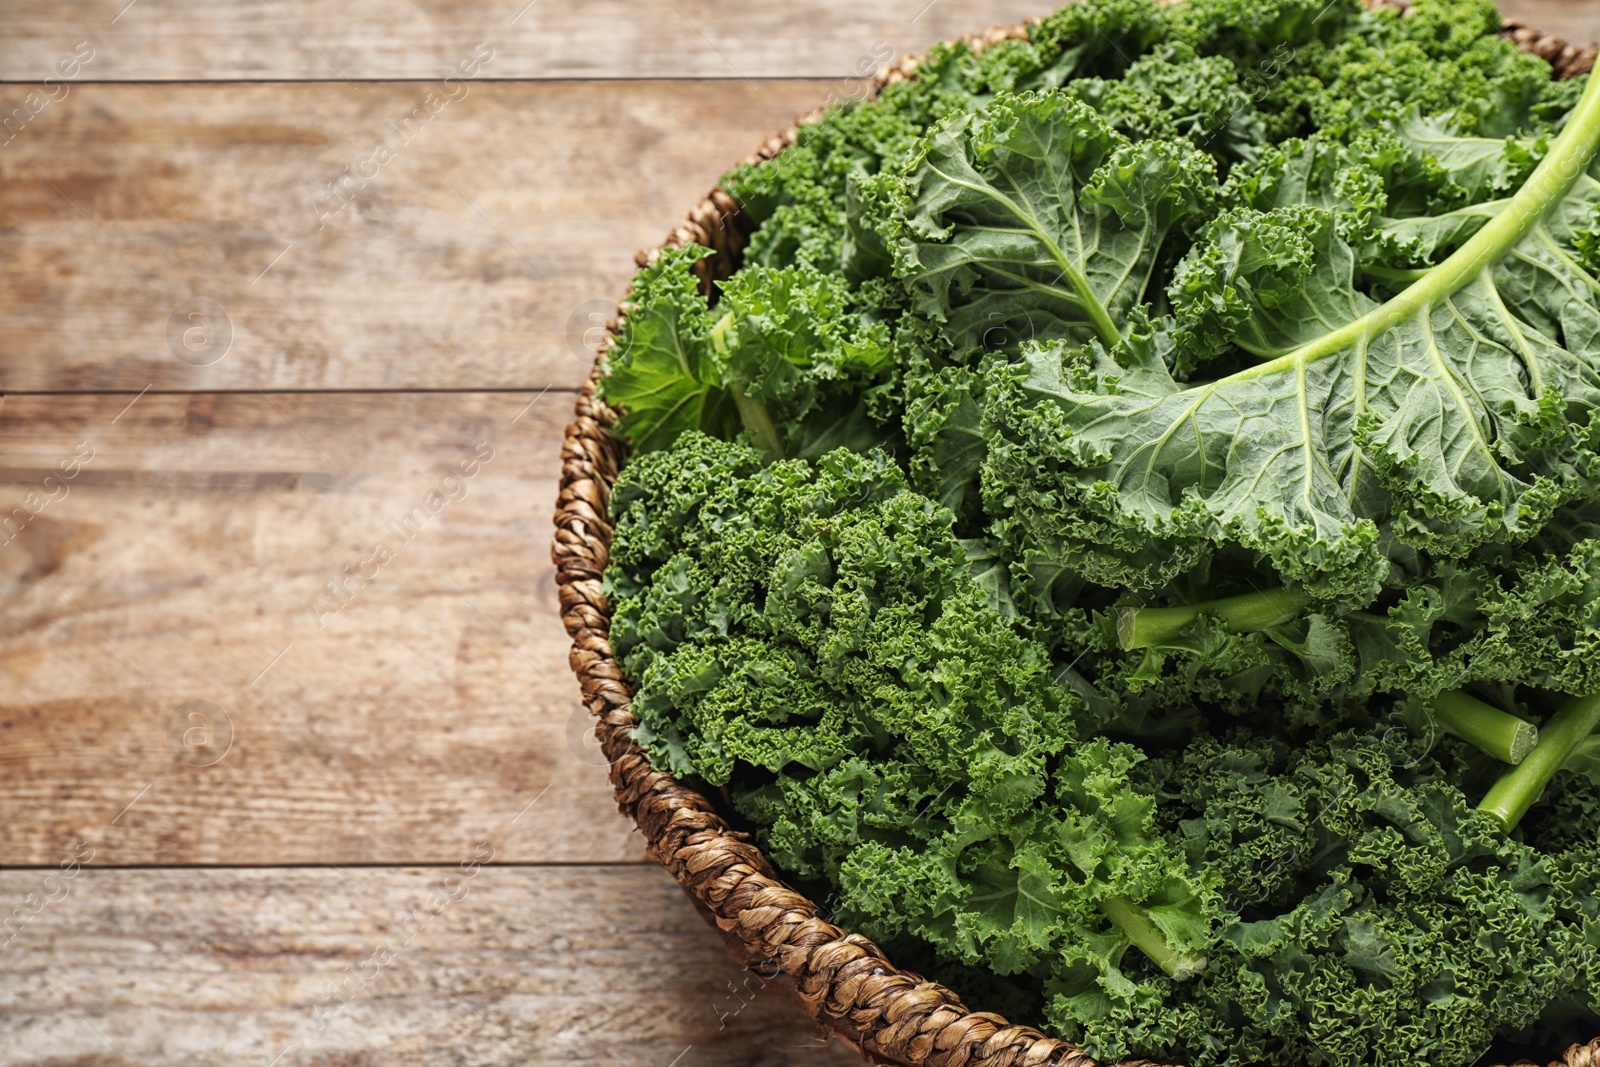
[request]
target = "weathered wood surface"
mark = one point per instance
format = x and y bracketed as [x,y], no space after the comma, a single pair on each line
[302,39]
[492,966]
[477,257]
[1576,20]
[197,544]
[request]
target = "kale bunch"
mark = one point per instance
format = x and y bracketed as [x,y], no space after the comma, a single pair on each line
[814,639]
[1129,532]
[811,637]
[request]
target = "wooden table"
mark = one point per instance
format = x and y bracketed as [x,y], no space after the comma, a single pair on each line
[295,298]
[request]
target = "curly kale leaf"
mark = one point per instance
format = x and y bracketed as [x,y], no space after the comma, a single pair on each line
[1175,94]
[664,373]
[1444,58]
[785,354]
[1216,494]
[807,198]
[812,637]
[1452,415]
[1034,219]
[1376,916]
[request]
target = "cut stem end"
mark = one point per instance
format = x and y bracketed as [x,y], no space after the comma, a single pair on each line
[1521,787]
[1500,734]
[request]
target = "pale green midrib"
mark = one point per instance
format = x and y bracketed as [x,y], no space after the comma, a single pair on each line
[1099,317]
[1396,274]
[1136,926]
[1545,188]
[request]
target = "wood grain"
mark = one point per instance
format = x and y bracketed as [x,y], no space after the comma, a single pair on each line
[477,257]
[1576,20]
[301,39]
[181,569]
[196,545]
[183,968]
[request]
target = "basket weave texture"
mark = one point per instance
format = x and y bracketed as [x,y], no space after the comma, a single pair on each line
[842,980]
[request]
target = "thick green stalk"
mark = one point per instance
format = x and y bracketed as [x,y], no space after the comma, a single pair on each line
[1522,786]
[753,412]
[1550,181]
[758,418]
[1147,627]
[1484,726]
[1142,933]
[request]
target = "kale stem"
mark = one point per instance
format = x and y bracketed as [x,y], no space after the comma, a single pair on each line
[1522,786]
[1568,157]
[1588,749]
[753,412]
[1394,274]
[1142,933]
[1484,726]
[1146,627]
[759,419]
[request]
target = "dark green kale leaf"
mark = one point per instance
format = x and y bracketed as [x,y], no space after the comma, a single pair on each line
[1378,917]
[1034,219]
[664,374]
[1122,594]
[812,638]
[786,354]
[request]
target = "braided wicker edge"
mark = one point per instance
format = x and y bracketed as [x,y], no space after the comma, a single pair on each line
[842,980]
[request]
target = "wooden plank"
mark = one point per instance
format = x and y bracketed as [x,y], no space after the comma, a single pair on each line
[1576,20]
[184,968]
[300,39]
[420,707]
[477,257]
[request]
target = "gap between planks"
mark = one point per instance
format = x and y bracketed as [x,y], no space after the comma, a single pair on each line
[189,559]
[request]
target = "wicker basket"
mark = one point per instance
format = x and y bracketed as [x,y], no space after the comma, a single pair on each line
[842,980]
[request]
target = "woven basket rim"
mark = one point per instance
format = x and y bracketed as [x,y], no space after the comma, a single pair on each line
[842,980]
